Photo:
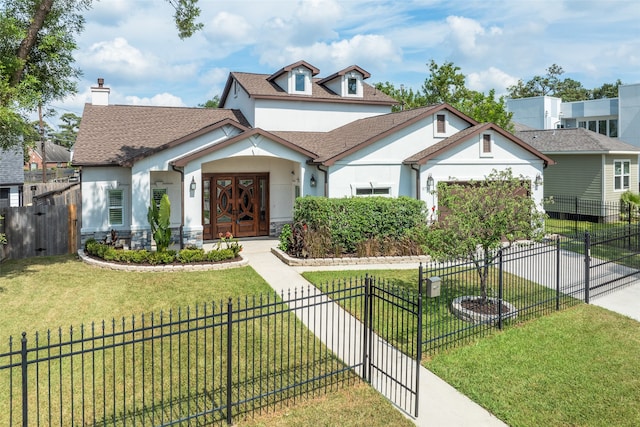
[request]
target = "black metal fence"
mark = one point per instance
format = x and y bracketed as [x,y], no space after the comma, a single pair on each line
[222,362]
[213,365]
[572,216]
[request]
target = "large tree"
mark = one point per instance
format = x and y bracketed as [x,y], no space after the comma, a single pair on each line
[445,83]
[482,217]
[37,40]
[67,130]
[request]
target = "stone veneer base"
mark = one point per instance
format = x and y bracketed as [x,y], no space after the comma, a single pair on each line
[161,268]
[300,262]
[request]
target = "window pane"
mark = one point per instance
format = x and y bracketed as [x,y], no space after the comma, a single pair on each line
[115,216]
[300,82]
[381,191]
[613,128]
[441,123]
[582,124]
[353,86]
[592,125]
[157,194]
[616,183]
[486,143]
[602,127]
[617,168]
[626,168]
[626,181]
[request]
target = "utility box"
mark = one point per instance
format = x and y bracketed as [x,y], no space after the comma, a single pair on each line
[433,287]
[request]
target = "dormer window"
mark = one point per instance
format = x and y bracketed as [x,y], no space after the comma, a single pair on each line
[352,86]
[300,79]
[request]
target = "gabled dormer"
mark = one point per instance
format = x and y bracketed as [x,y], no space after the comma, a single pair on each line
[347,83]
[295,79]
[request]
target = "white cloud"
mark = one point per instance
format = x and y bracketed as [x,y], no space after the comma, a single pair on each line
[162,99]
[360,50]
[491,78]
[465,32]
[227,28]
[118,55]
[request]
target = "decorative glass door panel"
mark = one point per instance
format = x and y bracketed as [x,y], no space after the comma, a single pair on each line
[236,203]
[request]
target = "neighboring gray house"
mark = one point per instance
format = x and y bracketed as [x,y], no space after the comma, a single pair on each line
[589,166]
[11,177]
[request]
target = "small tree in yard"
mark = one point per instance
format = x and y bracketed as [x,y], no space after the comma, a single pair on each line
[159,221]
[482,217]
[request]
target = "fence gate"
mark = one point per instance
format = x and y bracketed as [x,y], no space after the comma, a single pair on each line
[40,230]
[611,262]
[393,353]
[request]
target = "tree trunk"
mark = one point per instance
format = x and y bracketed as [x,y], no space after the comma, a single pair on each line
[30,40]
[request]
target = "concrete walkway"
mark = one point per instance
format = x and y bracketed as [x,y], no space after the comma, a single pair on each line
[439,403]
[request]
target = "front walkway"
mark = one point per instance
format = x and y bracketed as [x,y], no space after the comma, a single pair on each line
[439,403]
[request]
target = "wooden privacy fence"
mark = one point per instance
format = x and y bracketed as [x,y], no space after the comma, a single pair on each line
[40,230]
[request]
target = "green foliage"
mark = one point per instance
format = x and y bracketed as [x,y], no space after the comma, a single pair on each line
[221,255]
[3,236]
[446,83]
[161,257]
[211,103]
[286,236]
[630,198]
[191,255]
[159,220]
[338,226]
[68,132]
[481,218]
[230,243]
[186,13]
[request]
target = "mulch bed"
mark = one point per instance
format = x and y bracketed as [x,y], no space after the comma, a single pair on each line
[488,307]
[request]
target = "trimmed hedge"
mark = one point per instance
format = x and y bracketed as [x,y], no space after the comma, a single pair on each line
[142,256]
[345,226]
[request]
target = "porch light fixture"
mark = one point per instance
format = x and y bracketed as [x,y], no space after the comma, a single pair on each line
[312,181]
[429,183]
[192,186]
[538,180]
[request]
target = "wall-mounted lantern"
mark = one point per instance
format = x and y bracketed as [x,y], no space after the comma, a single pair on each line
[430,184]
[538,181]
[192,186]
[312,181]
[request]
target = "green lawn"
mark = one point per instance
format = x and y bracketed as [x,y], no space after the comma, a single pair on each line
[577,367]
[40,294]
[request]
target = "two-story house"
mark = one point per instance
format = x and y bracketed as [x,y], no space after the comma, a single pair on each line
[275,137]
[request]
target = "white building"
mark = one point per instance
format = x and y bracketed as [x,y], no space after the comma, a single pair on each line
[239,168]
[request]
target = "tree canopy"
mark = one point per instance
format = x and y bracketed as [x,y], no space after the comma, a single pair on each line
[445,83]
[567,89]
[481,217]
[37,41]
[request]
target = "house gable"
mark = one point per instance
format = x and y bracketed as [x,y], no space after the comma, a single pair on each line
[347,82]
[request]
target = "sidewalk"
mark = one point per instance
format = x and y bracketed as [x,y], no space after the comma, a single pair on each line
[440,404]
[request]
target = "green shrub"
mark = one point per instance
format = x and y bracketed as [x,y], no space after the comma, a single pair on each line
[191,255]
[220,254]
[332,227]
[286,238]
[165,257]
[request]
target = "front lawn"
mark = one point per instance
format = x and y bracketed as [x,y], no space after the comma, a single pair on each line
[47,293]
[577,367]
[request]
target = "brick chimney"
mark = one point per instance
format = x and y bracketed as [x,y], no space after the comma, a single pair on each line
[100,94]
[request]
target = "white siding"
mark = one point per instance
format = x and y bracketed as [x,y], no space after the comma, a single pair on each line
[274,115]
[96,182]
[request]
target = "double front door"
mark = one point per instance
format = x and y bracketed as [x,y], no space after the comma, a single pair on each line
[235,203]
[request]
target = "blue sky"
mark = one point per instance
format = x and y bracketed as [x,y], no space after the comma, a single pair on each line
[134,46]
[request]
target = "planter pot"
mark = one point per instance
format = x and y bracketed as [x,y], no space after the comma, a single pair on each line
[467,314]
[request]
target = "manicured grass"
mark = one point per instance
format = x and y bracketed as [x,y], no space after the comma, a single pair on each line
[50,292]
[567,227]
[578,367]
[41,294]
[348,407]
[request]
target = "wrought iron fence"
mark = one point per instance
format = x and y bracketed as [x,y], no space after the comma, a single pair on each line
[211,365]
[572,216]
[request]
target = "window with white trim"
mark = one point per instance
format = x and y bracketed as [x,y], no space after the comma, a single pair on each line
[352,86]
[621,174]
[300,78]
[116,207]
[441,124]
[373,191]
[156,194]
[486,145]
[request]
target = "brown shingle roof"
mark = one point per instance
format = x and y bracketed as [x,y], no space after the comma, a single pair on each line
[338,143]
[258,86]
[423,156]
[574,140]
[119,134]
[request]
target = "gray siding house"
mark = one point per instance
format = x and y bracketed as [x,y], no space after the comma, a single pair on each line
[11,177]
[589,166]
